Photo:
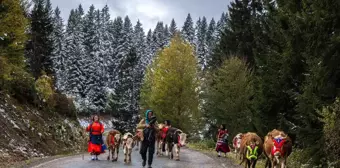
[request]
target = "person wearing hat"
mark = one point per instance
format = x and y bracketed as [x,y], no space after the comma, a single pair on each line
[148,143]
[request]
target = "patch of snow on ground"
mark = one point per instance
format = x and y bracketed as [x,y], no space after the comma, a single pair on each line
[14,124]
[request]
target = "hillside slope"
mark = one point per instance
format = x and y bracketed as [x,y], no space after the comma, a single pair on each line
[27,132]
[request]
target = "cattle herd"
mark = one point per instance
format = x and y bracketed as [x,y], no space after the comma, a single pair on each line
[276,147]
[174,140]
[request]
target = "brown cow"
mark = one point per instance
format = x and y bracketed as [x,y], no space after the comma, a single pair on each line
[237,144]
[113,141]
[277,147]
[251,148]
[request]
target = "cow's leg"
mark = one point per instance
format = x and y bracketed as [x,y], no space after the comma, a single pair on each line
[283,163]
[268,164]
[166,146]
[130,151]
[108,157]
[117,148]
[274,163]
[254,164]
[157,147]
[177,151]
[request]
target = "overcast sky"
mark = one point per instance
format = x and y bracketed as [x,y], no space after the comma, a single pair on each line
[149,12]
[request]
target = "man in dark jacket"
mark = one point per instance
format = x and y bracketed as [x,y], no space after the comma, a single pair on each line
[148,143]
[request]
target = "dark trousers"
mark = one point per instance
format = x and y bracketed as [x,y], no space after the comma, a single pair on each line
[147,147]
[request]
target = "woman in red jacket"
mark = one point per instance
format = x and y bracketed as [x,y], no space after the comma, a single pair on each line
[222,141]
[96,130]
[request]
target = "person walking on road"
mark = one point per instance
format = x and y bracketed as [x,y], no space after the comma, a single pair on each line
[149,140]
[222,141]
[96,130]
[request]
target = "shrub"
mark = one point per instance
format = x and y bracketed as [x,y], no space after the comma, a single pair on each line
[44,88]
[64,105]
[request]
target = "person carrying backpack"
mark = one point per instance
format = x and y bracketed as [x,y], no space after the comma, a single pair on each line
[96,130]
[148,143]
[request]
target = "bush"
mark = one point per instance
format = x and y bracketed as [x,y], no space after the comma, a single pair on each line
[44,88]
[64,105]
[16,81]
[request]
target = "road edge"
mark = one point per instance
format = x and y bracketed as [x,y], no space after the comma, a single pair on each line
[36,161]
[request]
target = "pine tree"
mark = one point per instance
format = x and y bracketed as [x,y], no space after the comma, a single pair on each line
[58,54]
[188,31]
[107,43]
[142,61]
[237,37]
[159,39]
[228,97]
[40,46]
[211,39]
[89,31]
[150,48]
[173,28]
[124,102]
[167,35]
[75,51]
[220,26]
[201,44]
[117,44]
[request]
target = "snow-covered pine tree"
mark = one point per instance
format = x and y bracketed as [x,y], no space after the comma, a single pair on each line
[75,52]
[173,28]
[40,46]
[201,45]
[117,44]
[106,40]
[91,43]
[139,69]
[167,35]
[96,83]
[58,54]
[158,36]
[150,48]
[121,103]
[220,26]
[188,31]
[211,38]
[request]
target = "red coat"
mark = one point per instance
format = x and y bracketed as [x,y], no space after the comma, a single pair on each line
[97,129]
